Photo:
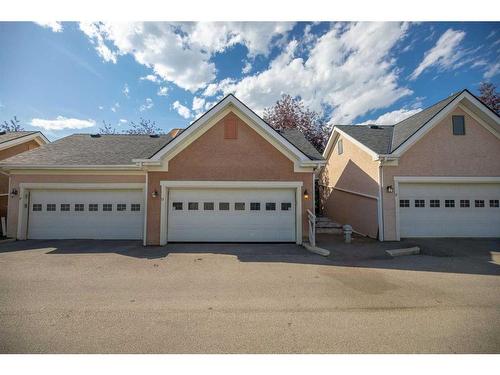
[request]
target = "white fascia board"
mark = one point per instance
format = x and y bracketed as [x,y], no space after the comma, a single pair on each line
[439,117]
[228,100]
[446,179]
[232,184]
[38,137]
[368,150]
[82,186]
[331,142]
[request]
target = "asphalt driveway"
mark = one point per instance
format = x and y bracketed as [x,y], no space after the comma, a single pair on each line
[118,297]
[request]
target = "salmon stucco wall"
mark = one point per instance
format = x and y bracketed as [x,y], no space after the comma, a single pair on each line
[353,171]
[16,179]
[211,157]
[439,153]
[4,179]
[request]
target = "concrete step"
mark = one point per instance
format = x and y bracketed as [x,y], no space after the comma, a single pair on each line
[322,218]
[329,230]
[329,224]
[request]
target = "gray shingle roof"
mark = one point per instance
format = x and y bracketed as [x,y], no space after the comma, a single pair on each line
[9,136]
[376,138]
[82,149]
[296,138]
[406,128]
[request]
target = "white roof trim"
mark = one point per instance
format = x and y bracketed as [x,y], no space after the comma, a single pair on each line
[37,136]
[333,140]
[406,145]
[177,143]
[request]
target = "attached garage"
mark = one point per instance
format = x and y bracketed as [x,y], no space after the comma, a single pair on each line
[80,213]
[460,209]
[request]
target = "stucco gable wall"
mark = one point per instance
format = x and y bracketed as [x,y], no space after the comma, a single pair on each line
[353,170]
[440,153]
[211,157]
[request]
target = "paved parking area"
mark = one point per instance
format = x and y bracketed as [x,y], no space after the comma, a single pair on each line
[118,297]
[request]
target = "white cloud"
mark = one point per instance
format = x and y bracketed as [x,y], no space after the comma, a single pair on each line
[349,72]
[492,71]
[198,103]
[150,77]
[101,107]
[61,122]
[126,90]
[181,52]
[247,68]
[123,121]
[444,55]
[182,110]
[115,107]
[55,26]
[148,104]
[162,91]
[391,118]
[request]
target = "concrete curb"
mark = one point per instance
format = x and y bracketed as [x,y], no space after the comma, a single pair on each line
[315,249]
[401,252]
[7,240]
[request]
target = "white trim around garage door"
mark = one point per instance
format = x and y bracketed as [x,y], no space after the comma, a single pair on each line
[166,185]
[25,187]
[437,180]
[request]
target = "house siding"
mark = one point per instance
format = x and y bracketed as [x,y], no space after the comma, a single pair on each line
[441,154]
[355,171]
[213,157]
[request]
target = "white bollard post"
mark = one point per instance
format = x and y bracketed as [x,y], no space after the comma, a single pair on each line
[347,233]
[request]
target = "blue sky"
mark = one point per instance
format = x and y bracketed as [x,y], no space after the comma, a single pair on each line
[68,77]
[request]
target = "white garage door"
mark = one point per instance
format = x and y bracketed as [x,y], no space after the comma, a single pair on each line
[225,215]
[86,214]
[449,210]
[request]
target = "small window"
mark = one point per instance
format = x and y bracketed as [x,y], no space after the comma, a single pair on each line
[121,207]
[37,207]
[404,203]
[270,206]
[51,207]
[107,207]
[79,207]
[254,206]
[479,203]
[286,206]
[340,147]
[135,207]
[458,125]
[65,207]
[177,206]
[208,206]
[494,203]
[434,203]
[224,206]
[450,203]
[239,206]
[419,203]
[193,206]
[93,207]
[464,203]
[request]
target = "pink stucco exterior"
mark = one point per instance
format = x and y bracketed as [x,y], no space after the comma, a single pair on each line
[213,157]
[349,187]
[442,154]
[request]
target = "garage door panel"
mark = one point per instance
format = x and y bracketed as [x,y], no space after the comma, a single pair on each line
[445,221]
[86,224]
[231,225]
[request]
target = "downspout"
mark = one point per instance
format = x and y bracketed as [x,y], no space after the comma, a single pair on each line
[380,205]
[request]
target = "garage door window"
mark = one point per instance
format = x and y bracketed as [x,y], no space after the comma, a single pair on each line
[121,207]
[193,206]
[479,203]
[255,206]
[79,207]
[65,207]
[177,206]
[450,203]
[494,203]
[239,206]
[434,203]
[224,206]
[135,207]
[404,203]
[208,206]
[37,207]
[93,207]
[270,206]
[51,207]
[464,203]
[286,206]
[107,207]
[419,203]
